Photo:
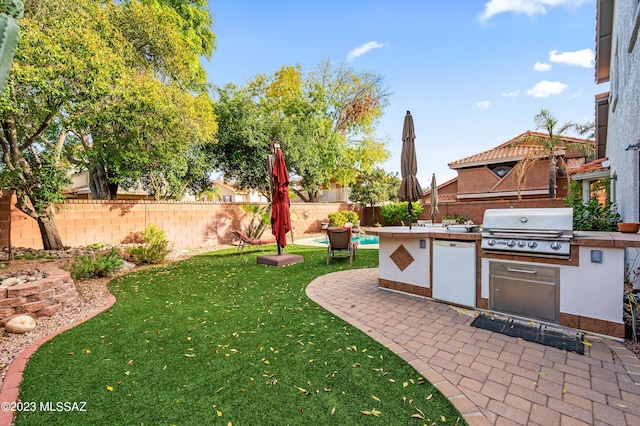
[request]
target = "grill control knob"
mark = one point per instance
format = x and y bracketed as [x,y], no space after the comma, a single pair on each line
[532,244]
[511,243]
[492,242]
[556,245]
[521,244]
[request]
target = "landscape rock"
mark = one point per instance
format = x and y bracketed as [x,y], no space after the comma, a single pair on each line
[10,281]
[20,324]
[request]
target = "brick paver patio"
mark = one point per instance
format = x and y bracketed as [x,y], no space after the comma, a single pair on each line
[491,378]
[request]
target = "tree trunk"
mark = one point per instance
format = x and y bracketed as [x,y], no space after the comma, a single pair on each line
[101,188]
[46,222]
[552,177]
[49,231]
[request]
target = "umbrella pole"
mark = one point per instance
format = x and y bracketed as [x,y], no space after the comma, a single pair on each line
[410,210]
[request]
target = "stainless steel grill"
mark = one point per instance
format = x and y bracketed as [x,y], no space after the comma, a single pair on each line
[544,232]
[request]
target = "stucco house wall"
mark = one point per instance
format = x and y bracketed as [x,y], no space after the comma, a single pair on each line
[624,118]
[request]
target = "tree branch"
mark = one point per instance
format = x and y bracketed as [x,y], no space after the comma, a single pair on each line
[45,124]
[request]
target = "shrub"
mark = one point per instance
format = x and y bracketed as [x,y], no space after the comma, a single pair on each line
[341,217]
[153,249]
[591,216]
[456,218]
[396,213]
[98,265]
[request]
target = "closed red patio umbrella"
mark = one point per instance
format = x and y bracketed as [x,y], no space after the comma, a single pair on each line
[280,220]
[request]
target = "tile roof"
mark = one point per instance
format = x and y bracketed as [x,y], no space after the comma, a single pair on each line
[441,196]
[511,150]
[594,166]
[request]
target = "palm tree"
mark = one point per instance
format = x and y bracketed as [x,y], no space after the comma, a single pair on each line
[552,147]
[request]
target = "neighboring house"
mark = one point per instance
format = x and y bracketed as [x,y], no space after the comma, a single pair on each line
[618,111]
[490,177]
[79,189]
[335,193]
[588,174]
[230,194]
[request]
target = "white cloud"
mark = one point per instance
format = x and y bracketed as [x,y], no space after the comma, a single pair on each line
[539,66]
[483,104]
[580,58]
[524,7]
[544,89]
[359,51]
[511,94]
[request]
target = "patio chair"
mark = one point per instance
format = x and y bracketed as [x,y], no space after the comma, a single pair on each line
[246,241]
[339,244]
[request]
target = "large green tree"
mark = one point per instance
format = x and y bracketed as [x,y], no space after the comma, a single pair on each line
[107,85]
[152,126]
[552,147]
[243,139]
[374,187]
[315,118]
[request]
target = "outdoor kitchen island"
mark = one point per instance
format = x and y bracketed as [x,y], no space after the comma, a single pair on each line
[587,286]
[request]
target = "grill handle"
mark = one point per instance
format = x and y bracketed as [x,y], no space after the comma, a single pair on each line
[524,233]
[522,271]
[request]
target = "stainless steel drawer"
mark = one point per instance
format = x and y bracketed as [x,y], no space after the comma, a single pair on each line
[527,290]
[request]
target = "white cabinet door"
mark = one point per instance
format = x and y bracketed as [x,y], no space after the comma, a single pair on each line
[454,272]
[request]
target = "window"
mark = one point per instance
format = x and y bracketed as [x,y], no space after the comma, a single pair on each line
[501,170]
[226,198]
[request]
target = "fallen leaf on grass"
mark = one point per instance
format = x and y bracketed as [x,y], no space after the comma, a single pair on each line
[418,415]
[333,411]
[375,398]
[110,388]
[373,412]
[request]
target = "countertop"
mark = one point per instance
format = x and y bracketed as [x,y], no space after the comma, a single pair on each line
[581,238]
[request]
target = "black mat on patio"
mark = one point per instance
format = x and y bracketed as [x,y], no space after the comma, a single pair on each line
[531,331]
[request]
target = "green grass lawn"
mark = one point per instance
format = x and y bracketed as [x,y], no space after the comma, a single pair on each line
[218,339]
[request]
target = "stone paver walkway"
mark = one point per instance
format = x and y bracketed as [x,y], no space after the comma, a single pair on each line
[491,378]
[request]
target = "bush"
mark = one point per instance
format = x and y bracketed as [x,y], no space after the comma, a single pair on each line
[456,218]
[341,217]
[98,265]
[591,216]
[153,249]
[396,213]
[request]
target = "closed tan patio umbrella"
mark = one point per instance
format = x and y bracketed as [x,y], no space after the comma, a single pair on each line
[434,199]
[410,189]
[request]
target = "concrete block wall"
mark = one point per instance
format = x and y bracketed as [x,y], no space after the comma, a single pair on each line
[186,224]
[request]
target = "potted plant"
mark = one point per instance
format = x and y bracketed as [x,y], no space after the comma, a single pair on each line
[631,227]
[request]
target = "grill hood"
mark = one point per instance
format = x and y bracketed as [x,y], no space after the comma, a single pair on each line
[545,223]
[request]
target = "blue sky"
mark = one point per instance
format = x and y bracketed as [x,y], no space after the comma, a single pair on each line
[473,73]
